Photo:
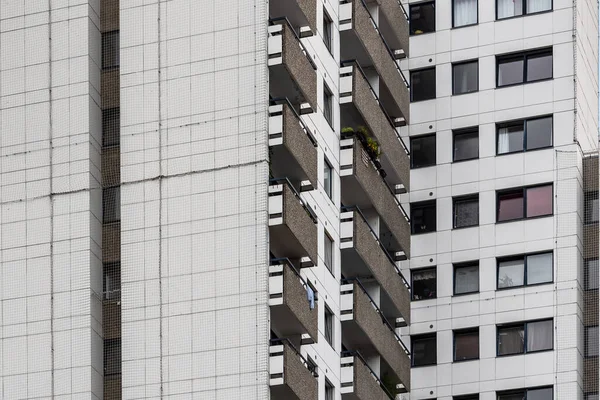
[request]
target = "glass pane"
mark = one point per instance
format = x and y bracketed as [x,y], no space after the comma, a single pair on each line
[510,72]
[328,326]
[422,151]
[110,49]
[539,133]
[509,8]
[466,346]
[591,209]
[539,67]
[510,138]
[539,201]
[328,252]
[422,84]
[591,274]
[534,6]
[111,204]
[327,181]
[112,281]
[466,213]
[510,340]
[111,127]
[112,356]
[422,18]
[592,396]
[539,268]
[423,218]
[424,284]
[328,107]
[512,396]
[510,206]
[466,77]
[424,351]
[539,335]
[539,394]
[510,273]
[465,12]
[466,279]
[591,341]
[466,146]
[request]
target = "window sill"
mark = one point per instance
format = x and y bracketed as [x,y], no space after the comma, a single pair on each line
[422,100]
[523,15]
[523,151]
[459,228]
[524,286]
[464,361]
[524,353]
[419,300]
[423,166]
[424,365]
[420,34]
[524,219]
[465,93]
[422,233]
[465,26]
[465,294]
[523,83]
[466,159]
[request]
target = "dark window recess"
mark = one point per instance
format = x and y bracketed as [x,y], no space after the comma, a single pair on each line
[424,284]
[522,203]
[327,31]
[467,397]
[526,270]
[328,258]
[112,357]
[525,337]
[422,84]
[328,106]
[424,350]
[544,393]
[422,151]
[523,135]
[466,278]
[591,341]
[111,127]
[514,8]
[464,12]
[591,274]
[466,144]
[518,68]
[112,281]
[465,77]
[466,211]
[466,345]
[329,390]
[423,217]
[422,18]
[591,396]
[110,49]
[328,179]
[111,204]
[328,326]
[591,207]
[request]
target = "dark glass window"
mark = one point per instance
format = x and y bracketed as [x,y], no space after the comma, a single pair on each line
[328,326]
[538,133]
[328,106]
[591,274]
[466,278]
[466,345]
[514,8]
[525,337]
[110,49]
[422,84]
[591,341]
[510,206]
[525,270]
[466,144]
[328,257]
[539,201]
[423,217]
[464,12]
[524,67]
[329,390]
[422,18]
[112,281]
[111,204]
[465,77]
[466,397]
[528,202]
[112,357]
[591,396]
[422,151]
[591,207]
[424,350]
[522,135]
[424,284]
[327,31]
[328,179]
[111,127]
[466,211]
[527,394]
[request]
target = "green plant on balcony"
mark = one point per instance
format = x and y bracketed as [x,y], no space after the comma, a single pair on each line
[371,145]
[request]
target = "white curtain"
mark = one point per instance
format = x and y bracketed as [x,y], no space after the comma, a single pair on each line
[503,141]
[539,335]
[538,5]
[465,12]
[509,8]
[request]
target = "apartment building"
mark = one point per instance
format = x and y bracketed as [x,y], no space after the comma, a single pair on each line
[201,199]
[503,201]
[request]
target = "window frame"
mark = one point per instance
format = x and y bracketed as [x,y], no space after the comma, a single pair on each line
[524,56]
[463,62]
[328,241]
[504,124]
[115,343]
[524,198]
[418,137]
[105,36]
[412,86]
[412,345]
[524,325]
[585,341]
[464,131]
[330,339]
[329,389]
[458,266]
[419,4]
[328,189]
[466,331]
[106,198]
[474,396]
[523,391]
[463,199]
[412,276]
[586,274]
[107,113]
[589,196]
[524,11]
[111,269]
[423,204]
[327,31]
[523,257]
[464,26]
[328,105]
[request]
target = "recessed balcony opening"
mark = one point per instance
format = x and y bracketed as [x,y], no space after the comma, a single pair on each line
[302,14]
[291,374]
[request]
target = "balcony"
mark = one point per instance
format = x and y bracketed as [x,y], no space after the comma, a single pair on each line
[291,376]
[364,187]
[301,14]
[292,224]
[394,25]
[360,106]
[292,147]
[365,329]
[359,381]
[291,314]
[361,40]
[363,255]
[292,73]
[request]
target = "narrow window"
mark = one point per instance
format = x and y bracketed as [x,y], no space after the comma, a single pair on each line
[464,12]
[424,350]
[424,284]
[466,144]
[111,127]
[423,217]
[328,179]
[509,8]
[466,345]
[527,202]
[591,274]
[110,49]
[591,341]
[525,337]
[112,281]
[328,326]
[112,357]
[465,77]
[422,84]
[329,390]
[111,204]
[591,207]
[327,31]
[422,18]
[466,278]
[422,151]
[328,255]
[466,211]
[525,270]
[328,105]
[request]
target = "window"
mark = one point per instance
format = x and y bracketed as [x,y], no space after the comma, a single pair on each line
[464,12]
[466,345]
[329,390]
[424,350]
[521,203]
[329,326]
[591,341]
[112,281]
[527,394]
[422,18]
[111,204]
[519,68]
[466,144]
[466,211]
[523,135]
[591,274]
[466,397]
[328,106]
[466,278]
[514,8]
[422,151]
[111,127]
[424,284]
[328,255]
[327,31]
[591,396]
[112,357]
[110,49]
[423,217]
[328,179]
[526,270]
[465,77]
[525,337]
[422,84]
[591,207]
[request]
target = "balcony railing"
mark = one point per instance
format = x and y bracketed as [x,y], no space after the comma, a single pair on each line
[359,381]
[397,23]
[292,377]
[300,13]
